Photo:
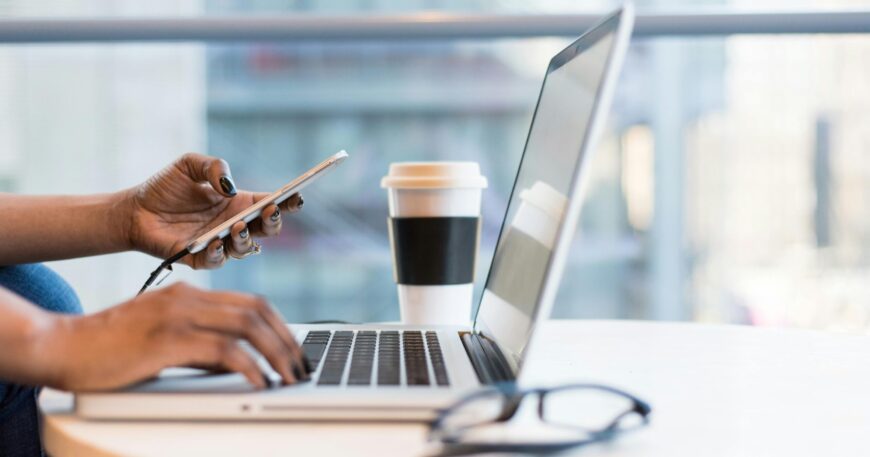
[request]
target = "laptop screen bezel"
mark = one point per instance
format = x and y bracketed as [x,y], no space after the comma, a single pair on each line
[618,23]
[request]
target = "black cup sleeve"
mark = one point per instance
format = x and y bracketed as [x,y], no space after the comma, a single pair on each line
[434,250]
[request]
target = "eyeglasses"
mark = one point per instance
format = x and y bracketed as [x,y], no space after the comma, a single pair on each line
[571,415]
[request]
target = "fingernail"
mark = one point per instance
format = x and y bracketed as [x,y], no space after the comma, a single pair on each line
[307,364]
[297,371]
[244,233]
[228,186]
[219,250]
[276,215]
[266,381]
[301,202]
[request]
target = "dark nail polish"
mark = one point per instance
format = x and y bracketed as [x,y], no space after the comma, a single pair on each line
[301,202]
[244,233]
[228,186]
[297,371]
[276,215]
[307,364]
[266,381]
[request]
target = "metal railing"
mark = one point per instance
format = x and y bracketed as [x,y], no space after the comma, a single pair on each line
[418,26]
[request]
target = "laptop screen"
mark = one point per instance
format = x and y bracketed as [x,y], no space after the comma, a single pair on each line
[540,198]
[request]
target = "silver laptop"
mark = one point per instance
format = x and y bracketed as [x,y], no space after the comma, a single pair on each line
[396,372]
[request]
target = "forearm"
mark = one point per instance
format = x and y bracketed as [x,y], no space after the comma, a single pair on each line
[42,228]
[25,335]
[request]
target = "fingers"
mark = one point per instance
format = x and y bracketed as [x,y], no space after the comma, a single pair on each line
[241,240]
[301,364]
[271,221]
[293,204]
[241,237]
[214,256]
[234,358]
[252,318]
[224,352]
[276,322]
[247,324]
[268,224]
[215,171]
[193,327]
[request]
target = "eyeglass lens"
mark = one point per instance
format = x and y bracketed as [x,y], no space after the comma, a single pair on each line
[588,409]
[481,409]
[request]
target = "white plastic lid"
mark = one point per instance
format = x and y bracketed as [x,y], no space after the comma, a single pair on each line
[434,175]
[549,200]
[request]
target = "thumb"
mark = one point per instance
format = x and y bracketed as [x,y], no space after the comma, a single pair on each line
[212,169]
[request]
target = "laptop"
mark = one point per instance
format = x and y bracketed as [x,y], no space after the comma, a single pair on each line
[396,372]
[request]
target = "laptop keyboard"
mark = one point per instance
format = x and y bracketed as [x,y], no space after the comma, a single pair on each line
[376,357]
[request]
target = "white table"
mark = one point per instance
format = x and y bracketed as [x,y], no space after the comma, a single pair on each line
[715,390]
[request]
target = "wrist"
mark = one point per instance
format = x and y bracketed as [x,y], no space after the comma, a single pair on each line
[50,349]
[122,210]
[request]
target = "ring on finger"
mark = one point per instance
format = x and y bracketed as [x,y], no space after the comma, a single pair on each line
[255,249]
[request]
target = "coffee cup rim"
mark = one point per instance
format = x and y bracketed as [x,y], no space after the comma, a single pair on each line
[434,175]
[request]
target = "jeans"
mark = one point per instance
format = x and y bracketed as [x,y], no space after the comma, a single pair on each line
[19,413]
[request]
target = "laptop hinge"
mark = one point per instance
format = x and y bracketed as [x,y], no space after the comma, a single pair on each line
[487,359]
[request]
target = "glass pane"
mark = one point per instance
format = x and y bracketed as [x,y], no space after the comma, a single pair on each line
[730,187]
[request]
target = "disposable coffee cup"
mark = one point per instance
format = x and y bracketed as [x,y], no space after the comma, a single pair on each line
[434,228]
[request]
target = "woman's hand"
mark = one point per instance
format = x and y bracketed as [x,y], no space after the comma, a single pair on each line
[175,326]
[187,198]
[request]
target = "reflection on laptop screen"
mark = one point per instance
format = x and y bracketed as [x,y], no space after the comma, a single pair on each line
[539,199]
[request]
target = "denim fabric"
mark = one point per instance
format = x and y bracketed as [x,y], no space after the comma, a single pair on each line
[19,413]
[38,284]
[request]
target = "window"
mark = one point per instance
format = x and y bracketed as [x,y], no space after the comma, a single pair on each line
[730,186]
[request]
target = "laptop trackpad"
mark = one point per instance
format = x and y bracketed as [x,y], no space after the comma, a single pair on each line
[190,380]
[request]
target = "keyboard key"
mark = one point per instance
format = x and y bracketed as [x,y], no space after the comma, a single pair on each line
[314,345]
[416,370]
[314,352]
[362,363]
[437,358]
[388,358]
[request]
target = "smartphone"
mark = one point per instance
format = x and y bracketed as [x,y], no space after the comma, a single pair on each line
[254,211]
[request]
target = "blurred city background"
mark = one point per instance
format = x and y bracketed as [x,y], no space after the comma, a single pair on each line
[732,185]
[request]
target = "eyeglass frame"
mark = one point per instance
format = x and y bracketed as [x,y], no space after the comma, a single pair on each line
[514,397]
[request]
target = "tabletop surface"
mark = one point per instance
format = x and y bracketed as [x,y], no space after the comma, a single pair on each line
[715,390]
